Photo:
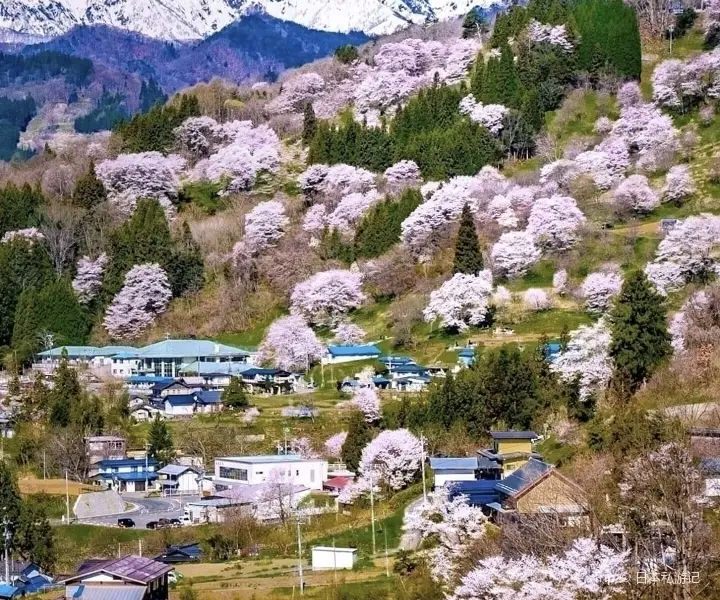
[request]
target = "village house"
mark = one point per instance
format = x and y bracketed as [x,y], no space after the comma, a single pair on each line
[176,480]
[233,471]
[126,578]
[511,449]
[103,447]
[127,474]
[344,354]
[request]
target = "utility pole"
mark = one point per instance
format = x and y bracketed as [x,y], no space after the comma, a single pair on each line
[300,565]
[7,536]
[422,466]
[372,510]
[671,30]
[147,449]
[67,498]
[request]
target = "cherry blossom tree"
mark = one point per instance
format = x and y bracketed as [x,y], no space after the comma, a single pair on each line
[501,296]
[405,173]
[685,252]
[303,447]
[88,278]
[265,225]
[555,35]
[449,520]
[131,177]
[586,571]
[587,357]
[635,194]
[327,296]
[560,282]
[679,184]
[514,253]
[337,180]
[349,334]
[554,222]
[145,294]
[291,345]
[461,301]
[315,218]
[393,458]
[30,235]
[603,126]
[537,299]
[681,83]
[249,415]
[351,209]
[384,89]
[296,92]
[333,445]
[489,116]
[599,289]
[194,137]
[629,94]
[368,402]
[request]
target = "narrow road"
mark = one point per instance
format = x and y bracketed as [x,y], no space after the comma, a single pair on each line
[410,540]
[146,510]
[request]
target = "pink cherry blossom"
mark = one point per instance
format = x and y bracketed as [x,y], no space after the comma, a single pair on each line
[333,445]
[554,222]
[393,458]
[514,253]
[265,225]
[88,278]
[366,399]
[327,296]
[461,301]
[599,289]
[291,345]
[536,299]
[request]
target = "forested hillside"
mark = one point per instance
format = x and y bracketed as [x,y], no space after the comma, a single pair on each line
[541,192]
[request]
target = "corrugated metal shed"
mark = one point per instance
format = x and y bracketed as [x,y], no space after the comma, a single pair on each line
[105,592]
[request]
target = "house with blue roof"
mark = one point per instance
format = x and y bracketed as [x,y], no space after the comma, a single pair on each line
[345,354]
[471,468]
[127,474]
[192,402]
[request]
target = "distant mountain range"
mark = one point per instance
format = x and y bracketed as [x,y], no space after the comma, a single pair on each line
[257,46]
[198,19]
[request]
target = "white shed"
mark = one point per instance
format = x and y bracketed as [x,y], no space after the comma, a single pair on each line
[327,557]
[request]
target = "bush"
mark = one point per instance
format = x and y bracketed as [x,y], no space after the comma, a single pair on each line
[346,54]
[683,23]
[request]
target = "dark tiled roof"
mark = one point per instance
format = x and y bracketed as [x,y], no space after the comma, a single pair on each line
[513,435]
[132,568]
[525,476]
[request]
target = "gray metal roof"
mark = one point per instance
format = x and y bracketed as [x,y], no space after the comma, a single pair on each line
[105,592]
[453,464]
[137,569]
[513,435]
[176,469]
[525,476]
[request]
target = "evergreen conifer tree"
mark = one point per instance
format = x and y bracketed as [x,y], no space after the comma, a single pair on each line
[359,435]
[234,396]
[468,257]
[309,124]
[477,77]
[65,394]
[159,441]
[640,339]
[89,190]
[185,266]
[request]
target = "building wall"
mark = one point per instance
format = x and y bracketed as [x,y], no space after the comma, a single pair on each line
[327,559]
[185,410]
[336,360]
[187,483]
[441,477]
[310,473]
[551,492]
[509,446]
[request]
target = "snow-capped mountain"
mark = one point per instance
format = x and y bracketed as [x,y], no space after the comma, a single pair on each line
[197,19]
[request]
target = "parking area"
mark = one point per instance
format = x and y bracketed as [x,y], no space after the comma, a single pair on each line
[146,510]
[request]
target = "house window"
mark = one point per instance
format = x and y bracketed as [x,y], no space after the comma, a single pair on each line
[297,473]
[237,474]
[312,475]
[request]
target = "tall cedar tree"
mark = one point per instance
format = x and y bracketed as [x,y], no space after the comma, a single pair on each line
[159,440]
[359,436]
[65,395]
[640,339]
[380,228]
[310,124]
[89,190]
[468,257]
[185,267]
[234,396]
[19,207]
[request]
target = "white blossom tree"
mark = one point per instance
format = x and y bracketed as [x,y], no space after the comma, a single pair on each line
[145,294]
[537,299]
[404,173]
[30,235]
[349,334]
[599,289]
[327,296]
[586,571]
[461,301]
[351,209]
[554,222]
[333,445]
[560,282]
[290,345]
[587,357]
[555,35]
[265,225]
[393,458]
[131,177]
[635,194]
[88,279]
[514,253]
[367,401]
[489,116]
[679,184]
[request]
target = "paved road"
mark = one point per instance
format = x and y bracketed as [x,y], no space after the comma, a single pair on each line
[146,509]
[410,539]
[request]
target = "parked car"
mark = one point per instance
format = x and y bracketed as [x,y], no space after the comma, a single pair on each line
[175,523]
[126,523]
[152,525]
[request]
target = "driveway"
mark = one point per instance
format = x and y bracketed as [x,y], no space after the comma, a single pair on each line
[146,509]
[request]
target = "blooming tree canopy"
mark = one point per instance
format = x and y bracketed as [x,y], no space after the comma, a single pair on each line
[145,294]
[489,116]
[554,222]
[130,177]
[560,281]
[393,458]
[349,334]
[635,194]
[88,278]
[556,35]
[599,289]
[351,209]
[366,399]
[587,356]
[265,225]
[461,301]
[327,296]
[403,174]
[514,253]
[333,445]
[537,299]
[290,345]
[679,184]
[30,235]
[315,218]
[586,571]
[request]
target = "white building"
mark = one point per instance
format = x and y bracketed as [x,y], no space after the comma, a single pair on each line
[327,557]
[176,480]
[345,354]
[232,471]
[453,469]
